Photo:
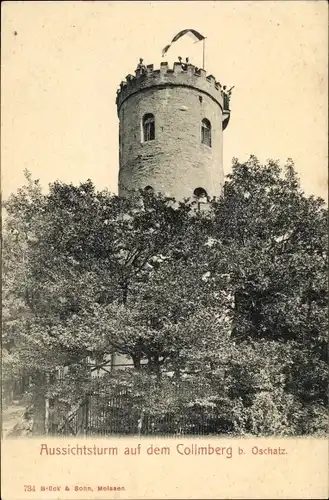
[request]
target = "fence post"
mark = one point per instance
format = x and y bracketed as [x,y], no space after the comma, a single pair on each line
[86,416]
[140,423]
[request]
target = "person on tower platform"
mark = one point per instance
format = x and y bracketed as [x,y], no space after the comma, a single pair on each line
[229,93]
[141,66]
[184,65]
[226,97]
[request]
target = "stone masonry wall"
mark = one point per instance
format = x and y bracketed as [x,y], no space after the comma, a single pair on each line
[175,162]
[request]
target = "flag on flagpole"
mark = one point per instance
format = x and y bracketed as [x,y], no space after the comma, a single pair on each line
[192,33]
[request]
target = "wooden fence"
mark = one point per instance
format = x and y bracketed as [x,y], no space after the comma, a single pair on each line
[102,414]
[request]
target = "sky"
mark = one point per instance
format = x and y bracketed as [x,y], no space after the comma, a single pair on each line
[63,61]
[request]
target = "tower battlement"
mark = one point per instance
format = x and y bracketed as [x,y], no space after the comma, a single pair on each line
[171,123]
[180,75]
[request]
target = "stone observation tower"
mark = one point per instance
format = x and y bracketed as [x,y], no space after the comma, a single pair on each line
[171,123]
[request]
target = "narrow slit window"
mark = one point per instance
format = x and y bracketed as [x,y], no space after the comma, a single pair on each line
[148,127]
[206,132]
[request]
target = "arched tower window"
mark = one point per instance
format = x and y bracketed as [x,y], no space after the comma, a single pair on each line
[201,197]
[201,194]
[148,127]
[206,132]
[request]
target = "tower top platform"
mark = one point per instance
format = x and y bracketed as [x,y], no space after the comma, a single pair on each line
[181,74]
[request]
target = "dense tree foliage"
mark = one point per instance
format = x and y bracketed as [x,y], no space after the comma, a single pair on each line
[221,312]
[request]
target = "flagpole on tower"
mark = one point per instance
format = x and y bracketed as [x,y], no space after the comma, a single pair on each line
[204,54]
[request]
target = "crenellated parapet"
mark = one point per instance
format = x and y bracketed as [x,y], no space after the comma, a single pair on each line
[181,75]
